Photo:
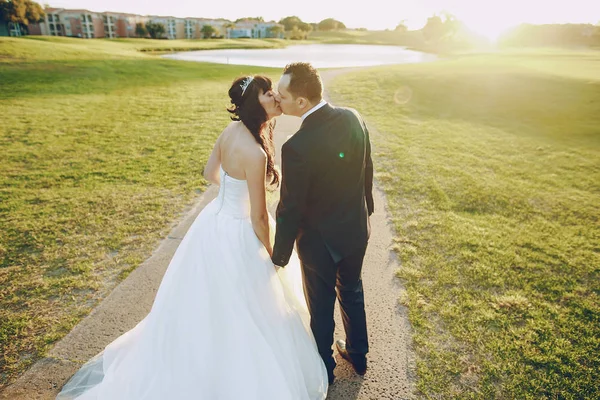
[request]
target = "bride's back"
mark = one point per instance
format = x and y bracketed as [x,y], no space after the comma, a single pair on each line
[238,148]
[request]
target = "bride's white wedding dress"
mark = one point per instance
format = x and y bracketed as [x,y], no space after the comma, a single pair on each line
[224,324]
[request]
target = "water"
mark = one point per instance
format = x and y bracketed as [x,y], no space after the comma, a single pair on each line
[319,55]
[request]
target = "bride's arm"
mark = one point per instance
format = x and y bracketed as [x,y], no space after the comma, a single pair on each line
[256,177]
[211,170]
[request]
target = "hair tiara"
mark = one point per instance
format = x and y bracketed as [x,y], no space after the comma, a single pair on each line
[245,83]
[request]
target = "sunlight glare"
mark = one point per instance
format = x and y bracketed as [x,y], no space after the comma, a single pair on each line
[403,95]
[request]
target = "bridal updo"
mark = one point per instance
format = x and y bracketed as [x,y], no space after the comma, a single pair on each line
[246,107]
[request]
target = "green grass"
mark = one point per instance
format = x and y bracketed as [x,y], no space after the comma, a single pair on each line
[102,149]
[43,48]
[361,37]
[412,39]
[491,167]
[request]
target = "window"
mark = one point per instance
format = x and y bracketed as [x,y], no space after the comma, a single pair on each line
[50,18]
[15,29]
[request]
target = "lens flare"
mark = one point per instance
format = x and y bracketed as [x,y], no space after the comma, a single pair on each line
[403,95]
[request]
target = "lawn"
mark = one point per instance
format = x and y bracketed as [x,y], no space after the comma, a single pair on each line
[491,167]
[44,48]
[102,149]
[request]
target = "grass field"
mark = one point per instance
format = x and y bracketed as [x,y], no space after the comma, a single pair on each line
[102,148]
[491,166]
[365,37]
[44,48]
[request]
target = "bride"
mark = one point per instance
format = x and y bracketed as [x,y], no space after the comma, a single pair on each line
[225,325]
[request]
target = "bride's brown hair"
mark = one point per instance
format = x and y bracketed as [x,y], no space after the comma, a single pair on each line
[246,108]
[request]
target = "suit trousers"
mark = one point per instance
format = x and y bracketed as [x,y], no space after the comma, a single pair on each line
[324,280]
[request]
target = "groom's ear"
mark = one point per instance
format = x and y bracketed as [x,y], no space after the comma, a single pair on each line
[302,102]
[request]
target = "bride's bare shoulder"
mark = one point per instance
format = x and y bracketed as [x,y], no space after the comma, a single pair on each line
[236,125]
[239,139]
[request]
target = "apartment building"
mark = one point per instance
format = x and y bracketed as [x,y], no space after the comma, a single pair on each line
[175,28]
[254,29]
[88,24]
[109,20]
[75,23]
[191,28]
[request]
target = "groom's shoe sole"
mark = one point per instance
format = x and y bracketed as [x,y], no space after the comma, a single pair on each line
[340,345]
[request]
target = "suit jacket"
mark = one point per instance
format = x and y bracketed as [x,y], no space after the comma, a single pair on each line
[326,186]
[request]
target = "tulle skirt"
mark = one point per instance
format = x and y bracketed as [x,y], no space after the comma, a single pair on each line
[224,325]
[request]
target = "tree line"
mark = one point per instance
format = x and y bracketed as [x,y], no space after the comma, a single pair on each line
[446,32]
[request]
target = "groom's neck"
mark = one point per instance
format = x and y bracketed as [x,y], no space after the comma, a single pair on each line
[309,106]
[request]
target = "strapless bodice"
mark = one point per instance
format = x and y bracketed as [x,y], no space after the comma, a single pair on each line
[233,198]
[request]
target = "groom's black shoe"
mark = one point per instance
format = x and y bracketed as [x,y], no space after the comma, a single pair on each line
[359,363]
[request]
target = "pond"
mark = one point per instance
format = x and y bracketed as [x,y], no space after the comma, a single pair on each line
[319,55]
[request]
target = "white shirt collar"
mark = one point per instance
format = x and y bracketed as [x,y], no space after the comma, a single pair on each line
[312,110]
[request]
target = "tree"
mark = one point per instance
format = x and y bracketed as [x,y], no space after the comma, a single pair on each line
[297,34]
[21,12]
[259,19]
[331,24]
[140,30]
[304,27]
[228,26]
[275,31]
[290,22]
[5,9]
[451,25]
[401,27]
[437,29]
[155,29]
[434,29]
[209,31]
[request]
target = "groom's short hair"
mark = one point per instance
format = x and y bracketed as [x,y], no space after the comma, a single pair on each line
[305,81]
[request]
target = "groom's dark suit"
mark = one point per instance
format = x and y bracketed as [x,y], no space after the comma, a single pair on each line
[326,200]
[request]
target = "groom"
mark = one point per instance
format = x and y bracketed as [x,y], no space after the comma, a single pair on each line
[326,201]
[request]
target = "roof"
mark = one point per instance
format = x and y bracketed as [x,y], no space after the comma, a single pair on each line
[78,11]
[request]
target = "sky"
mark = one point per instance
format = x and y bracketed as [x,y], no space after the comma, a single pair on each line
[482,16]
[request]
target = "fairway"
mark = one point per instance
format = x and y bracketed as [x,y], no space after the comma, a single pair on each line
[491,167]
